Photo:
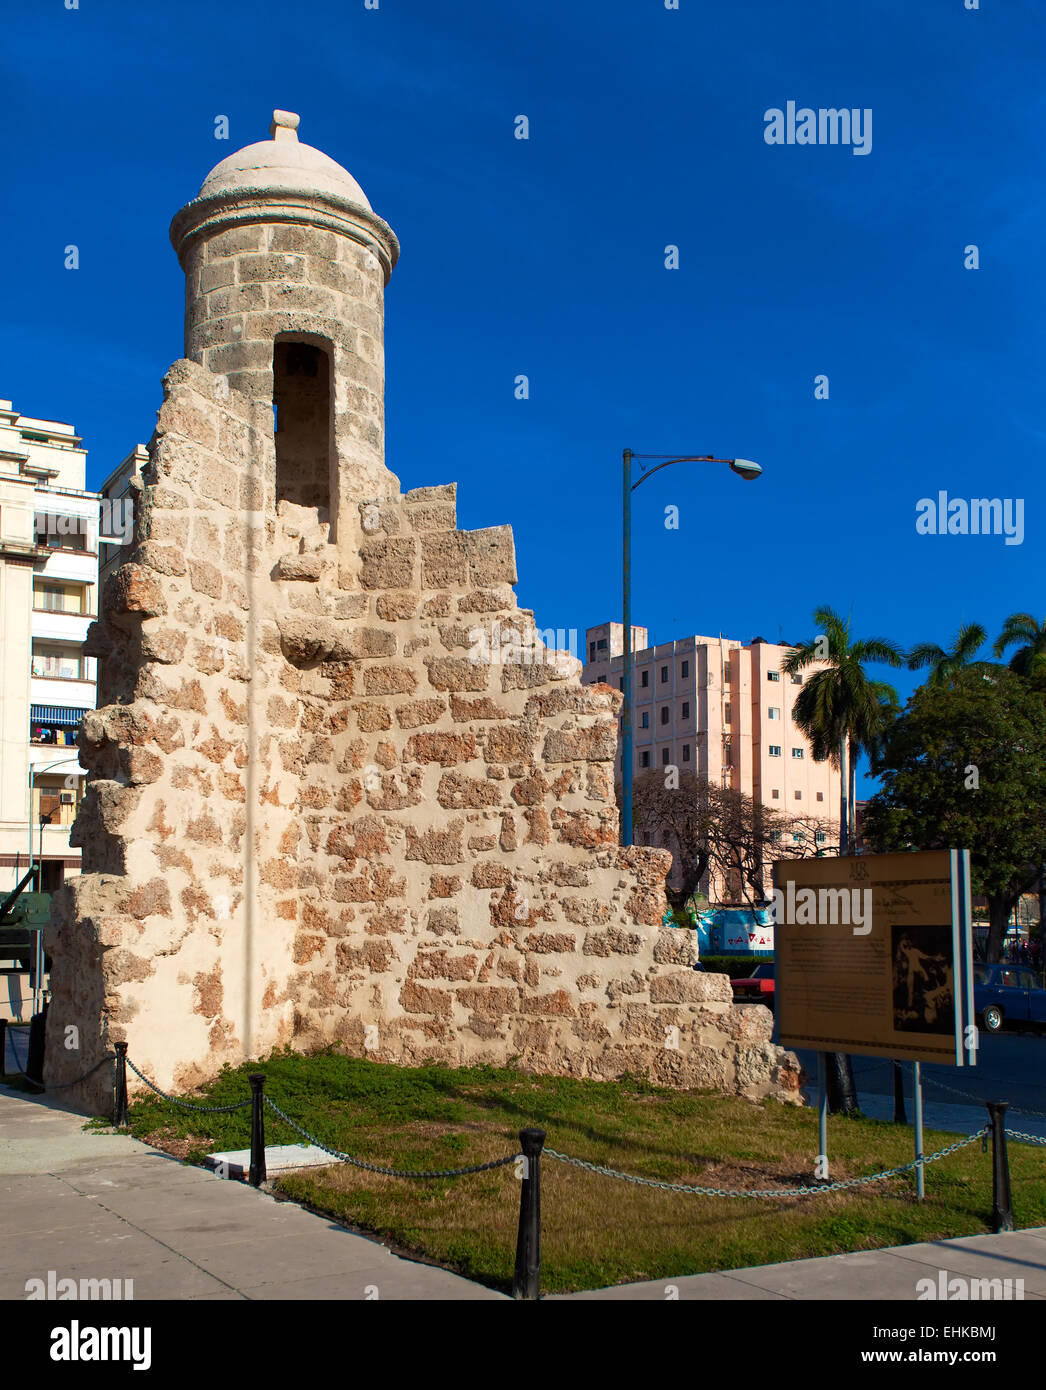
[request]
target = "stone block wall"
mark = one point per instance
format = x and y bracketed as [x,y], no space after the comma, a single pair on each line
[319,812]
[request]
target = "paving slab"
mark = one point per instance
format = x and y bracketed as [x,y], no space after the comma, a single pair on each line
[90,1205]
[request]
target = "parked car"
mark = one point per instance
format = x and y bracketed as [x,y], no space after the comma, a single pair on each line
[757,988]
[1007,994]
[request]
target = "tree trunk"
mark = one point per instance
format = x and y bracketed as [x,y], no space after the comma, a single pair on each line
[842,1090]
[999,909]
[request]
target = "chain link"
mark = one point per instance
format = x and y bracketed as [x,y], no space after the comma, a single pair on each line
[185,1104]
[388,1172]
[55,1085]
[1025,1138]
[767,1192]
[968,1095]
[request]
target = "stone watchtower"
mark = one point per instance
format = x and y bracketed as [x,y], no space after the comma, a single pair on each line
[285,272]
[339,791]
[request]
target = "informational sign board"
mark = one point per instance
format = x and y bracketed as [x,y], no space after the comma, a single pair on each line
[874,955]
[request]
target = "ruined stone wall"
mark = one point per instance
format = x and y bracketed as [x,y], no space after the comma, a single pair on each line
[315,816]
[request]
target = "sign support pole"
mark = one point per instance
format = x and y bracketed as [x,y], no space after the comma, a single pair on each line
[822,1117]
[917,1088]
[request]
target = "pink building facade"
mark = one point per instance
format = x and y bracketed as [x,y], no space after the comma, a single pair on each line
[721,709]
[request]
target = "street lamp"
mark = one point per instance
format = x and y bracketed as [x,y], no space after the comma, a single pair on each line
[744,468]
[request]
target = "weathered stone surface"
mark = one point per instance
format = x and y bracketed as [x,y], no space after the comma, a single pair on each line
[319,809]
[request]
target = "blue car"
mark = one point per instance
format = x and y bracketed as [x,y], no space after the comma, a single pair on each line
[1007,994]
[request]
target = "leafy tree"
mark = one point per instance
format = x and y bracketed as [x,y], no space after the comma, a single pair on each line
[964,767]
[721,831]
[944,665]
[1021,630]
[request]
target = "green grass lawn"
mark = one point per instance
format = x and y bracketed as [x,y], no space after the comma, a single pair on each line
[595,1230]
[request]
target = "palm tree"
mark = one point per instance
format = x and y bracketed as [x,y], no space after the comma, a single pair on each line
[945,665]
[839,709]
[842,712]
[1022,631]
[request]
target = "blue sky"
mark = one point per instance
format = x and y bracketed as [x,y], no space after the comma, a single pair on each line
[545,257]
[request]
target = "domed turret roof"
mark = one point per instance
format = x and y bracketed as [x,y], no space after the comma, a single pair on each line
[284,164]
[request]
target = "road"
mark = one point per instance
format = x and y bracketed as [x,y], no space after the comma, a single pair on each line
[1010,1066]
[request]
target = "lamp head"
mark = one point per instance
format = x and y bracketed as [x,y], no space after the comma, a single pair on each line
[745,468]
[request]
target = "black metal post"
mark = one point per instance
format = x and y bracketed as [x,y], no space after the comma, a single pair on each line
[899,1117]
[256,1175]
[120,1086]
[3,1048]
[1002,1202]
[526,1280]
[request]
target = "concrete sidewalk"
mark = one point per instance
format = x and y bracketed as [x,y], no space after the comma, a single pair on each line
[104,1206]
[868,1277]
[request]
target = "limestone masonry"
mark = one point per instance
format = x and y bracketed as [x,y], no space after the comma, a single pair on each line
[314,815]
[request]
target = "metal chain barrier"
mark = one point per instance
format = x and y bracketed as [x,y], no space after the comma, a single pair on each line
[979,1100]
[769,1192]
[186,1104]
[388,1172]
[1025,1138]
[59,1085]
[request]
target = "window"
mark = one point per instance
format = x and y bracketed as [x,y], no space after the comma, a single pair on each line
[773,675]
[644,720]
[774,750]
[665,714]
[57,663]
[775,836]
[591,651]
[60,532]
[59,598]
[644,760]
[686,709]
[728,755]
[798,796]
[774,712]
[602,644]
[981,975]
[301,393]
[798,753]
[620,682]
[775,794]
[727,716]
[820,796]
[664,674]
[684,670]
[686,752]
[644,678]
[798,836]
[664,757]
[726,674]
[797,680]
[819,837]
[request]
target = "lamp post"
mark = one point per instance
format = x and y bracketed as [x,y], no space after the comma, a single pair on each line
[744,468]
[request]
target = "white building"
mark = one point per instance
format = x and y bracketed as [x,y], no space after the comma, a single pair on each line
[48,598]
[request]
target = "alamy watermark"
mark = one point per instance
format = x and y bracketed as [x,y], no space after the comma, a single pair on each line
[980,516]
[957,1288]
[824,907]
[802,125]
[548,646]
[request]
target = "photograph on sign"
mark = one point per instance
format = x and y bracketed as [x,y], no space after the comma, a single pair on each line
[874,955]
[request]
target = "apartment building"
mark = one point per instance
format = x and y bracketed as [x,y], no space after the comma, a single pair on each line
[722,709]
[48,598]
[119,498]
